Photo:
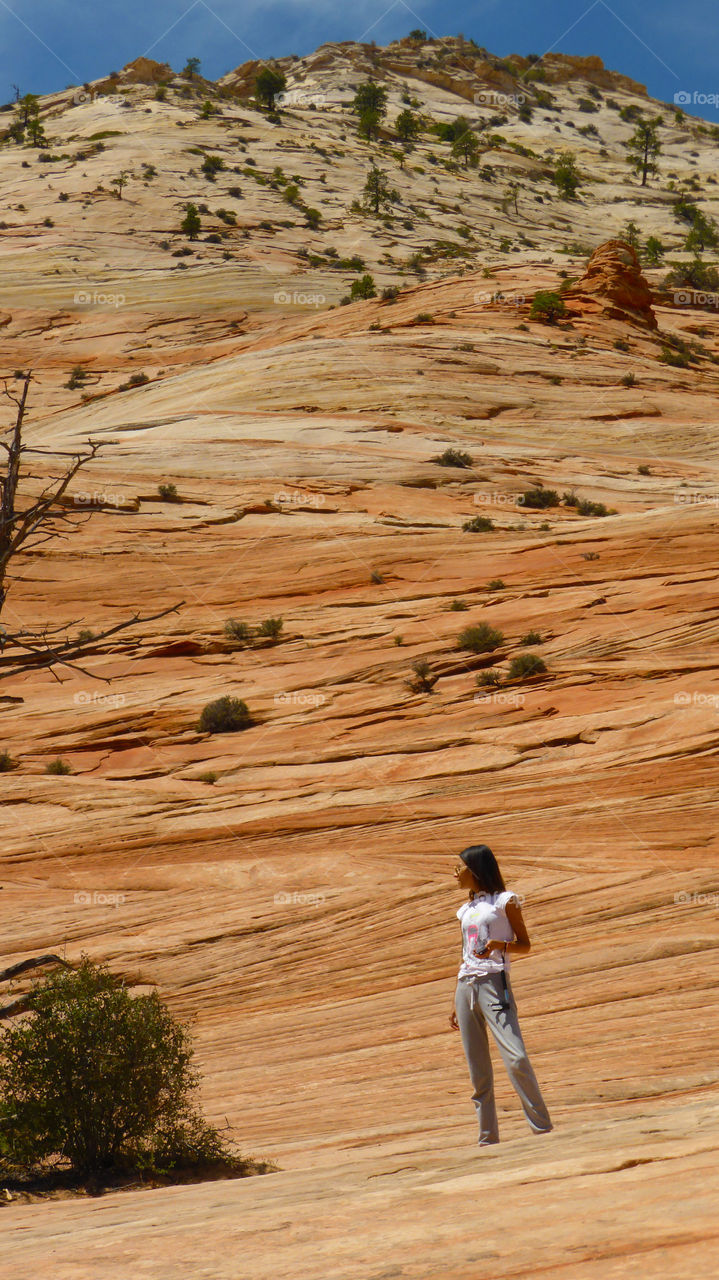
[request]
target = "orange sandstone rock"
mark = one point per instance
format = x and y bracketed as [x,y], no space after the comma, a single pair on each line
[613,285]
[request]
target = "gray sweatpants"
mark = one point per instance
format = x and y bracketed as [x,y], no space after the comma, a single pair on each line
[478,1004]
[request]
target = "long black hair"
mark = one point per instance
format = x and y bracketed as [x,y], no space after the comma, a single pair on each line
[483,865]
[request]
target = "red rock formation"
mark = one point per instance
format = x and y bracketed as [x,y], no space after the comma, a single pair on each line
[613,285]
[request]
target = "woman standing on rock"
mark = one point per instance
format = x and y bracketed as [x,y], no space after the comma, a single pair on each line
[492,929]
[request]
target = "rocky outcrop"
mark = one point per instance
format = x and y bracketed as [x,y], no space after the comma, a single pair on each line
[613,285]
[563,67]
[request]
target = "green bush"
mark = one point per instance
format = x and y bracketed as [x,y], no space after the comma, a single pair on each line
[212,165]
[452,458]
[458,606]
[58,766]
[224,715]
[539,498]
[238,631]
[271,627]
[587,508]
[478,524]
[6,762]
[547,307]
[678,359]
[100,1080]
[495,584]
[480,639]
[363,288]
[532,637]
[489,679]
[526,664]
[168,493]
[424,680]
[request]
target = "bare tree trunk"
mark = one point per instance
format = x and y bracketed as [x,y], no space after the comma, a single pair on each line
[23,529]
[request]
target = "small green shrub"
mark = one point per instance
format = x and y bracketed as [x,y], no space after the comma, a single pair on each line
[547,307]
[480,639]
[643,470]
[478,524]
[452,458]
[58,766]
[629,380]
[424,680]
[77,378]
[489,679]
[209,776]
[532,637]
[424,317]
[496,584]
[240,632]
[587,508]
[458,606]
[224,715]
[7,764]
[526,664]
[168,493]
[677,359]
[363,288]
[376,577]
[271,628]
[539,498]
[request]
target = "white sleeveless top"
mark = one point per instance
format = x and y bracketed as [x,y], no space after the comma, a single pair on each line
[482,918]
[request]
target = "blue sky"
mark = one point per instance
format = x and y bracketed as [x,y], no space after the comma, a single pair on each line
[48,44]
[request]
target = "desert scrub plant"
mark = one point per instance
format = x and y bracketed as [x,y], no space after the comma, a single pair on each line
[480,639]
[629,380]
[496,584]
[452,458]
[423,679]
[532,637]
[270,628]
[168,493]
[547,307]
[376,577]
[136,380]
[209,776]
[526,664]
[585,507]
[239,632]
[458,606]
[7,764]
[478,524]
[363,288]
[489,679]
[678,359]
[58,766]
[224,715]
[100,1080]
[77,378]
[539,498]
[643,470]
[424,317]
